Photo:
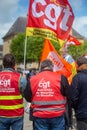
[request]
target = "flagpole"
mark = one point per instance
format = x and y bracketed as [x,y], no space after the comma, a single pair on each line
[25,52]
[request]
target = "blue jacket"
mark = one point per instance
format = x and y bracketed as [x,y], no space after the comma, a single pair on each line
[79,92]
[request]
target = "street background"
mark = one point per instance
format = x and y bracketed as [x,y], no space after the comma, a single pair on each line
[27,122]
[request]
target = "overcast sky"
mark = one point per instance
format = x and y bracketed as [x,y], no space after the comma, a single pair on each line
[10,10]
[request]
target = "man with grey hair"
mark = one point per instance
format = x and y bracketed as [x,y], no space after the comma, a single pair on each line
[47,92]
[46,64]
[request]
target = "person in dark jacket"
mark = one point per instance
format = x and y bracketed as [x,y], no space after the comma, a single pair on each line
[47,92]
[79,93]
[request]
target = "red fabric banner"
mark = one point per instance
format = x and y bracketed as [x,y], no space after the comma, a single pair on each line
[72,41]
[50,19]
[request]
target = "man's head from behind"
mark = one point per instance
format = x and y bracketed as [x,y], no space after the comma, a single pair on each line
[46,65]
[81,60]
[8,61]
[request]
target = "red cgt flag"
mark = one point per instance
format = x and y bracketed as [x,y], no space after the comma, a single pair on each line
[50,19]
[60,65]
[72,41]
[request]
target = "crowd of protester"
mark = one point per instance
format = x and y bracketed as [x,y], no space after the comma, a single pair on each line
[49,95]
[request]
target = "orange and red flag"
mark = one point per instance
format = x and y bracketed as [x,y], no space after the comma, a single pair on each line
[60,65]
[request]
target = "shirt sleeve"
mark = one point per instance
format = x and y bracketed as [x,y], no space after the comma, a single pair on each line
[69,59]
[65,88]
[23,83]
[74,90]
[27,92]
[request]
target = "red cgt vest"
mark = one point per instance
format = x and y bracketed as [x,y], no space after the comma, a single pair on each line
[47,100]
[11,101]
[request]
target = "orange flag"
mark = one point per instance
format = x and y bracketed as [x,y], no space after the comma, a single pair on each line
[60,65]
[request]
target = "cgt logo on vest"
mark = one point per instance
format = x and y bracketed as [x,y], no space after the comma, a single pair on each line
[44,84]
[44,89]
[5,80]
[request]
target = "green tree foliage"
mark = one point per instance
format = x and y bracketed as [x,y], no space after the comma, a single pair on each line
[34,48]
[77,51]
[56,45]
[17,47]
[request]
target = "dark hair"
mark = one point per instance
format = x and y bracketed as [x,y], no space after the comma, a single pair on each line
[81,60]
[8,61]
[46,63]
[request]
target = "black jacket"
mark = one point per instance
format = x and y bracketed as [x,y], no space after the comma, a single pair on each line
[79,92]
